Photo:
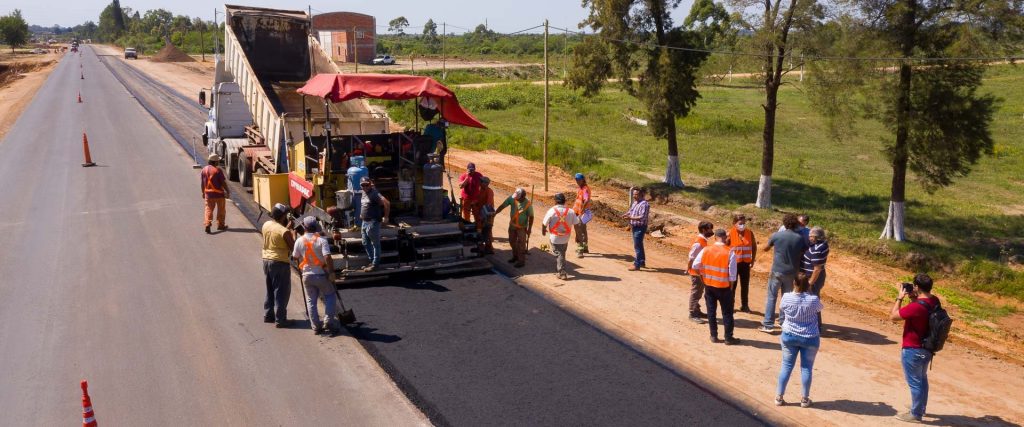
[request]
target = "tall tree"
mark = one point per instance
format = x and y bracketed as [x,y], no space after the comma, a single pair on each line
[772,24]
[14,29]
[398,25]
[111,24]
[430,29]
[929,101]
[639,37]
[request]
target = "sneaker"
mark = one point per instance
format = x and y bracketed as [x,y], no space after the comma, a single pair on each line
[715,340]
[766,329]
[283,323]
[907,417]
[207,229]
[732,341]
[702,315]
[222,227]
[563,276]
[330,331]
[779,401]
[318,330]
[805,402]
[268,319]
[698,320]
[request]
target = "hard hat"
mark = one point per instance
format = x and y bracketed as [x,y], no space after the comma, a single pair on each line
[310,224]
[213,157]
[560,198]
[579,176]
[278,211]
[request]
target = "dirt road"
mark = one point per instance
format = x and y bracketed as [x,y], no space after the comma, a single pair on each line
[857,380]
[108,276]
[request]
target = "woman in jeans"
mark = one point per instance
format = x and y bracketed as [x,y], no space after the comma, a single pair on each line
[800,335]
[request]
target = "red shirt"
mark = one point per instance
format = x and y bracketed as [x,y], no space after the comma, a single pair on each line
[215,178]
[915,325]
[471,190]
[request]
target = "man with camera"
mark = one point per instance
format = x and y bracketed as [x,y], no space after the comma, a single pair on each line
[915,357]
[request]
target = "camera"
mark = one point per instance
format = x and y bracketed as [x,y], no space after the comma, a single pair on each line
[908,287]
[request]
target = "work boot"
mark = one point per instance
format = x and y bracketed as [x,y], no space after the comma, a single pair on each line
[222,227]
[318,330]
[732,341]
[207,229]
[701,315]
[283,323]
[715,340]
[907,417]
[369,268]
[268,318]
[513,260]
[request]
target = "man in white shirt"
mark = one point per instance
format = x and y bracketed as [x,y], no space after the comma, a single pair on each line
[557,224]
[314,256]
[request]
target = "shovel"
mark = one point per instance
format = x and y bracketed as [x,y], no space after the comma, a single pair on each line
[345,316]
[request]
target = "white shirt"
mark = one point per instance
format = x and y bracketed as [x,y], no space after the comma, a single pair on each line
[732,262]
[321,250]
[550,219]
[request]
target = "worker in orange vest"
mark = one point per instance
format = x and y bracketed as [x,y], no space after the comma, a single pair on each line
[313,253]
[581,206]
[485,215]
[717,266]
[559,221]
[704,232]
[742,241]
[215,192]
[520,224]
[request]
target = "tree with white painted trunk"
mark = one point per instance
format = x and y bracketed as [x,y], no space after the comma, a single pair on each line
[939,123]
[638,37]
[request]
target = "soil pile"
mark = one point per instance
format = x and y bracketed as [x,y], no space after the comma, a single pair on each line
[171,54]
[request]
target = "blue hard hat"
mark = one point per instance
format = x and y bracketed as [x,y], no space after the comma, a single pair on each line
[579,176]
[310,224]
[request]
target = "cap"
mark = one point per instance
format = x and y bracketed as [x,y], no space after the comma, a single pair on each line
[213,157]
[310,224]
[278,210]
[365,180]
[580,176]
[560,198]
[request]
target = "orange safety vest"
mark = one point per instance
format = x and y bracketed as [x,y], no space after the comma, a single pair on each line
[516,212]
[715,266]
[579,206]
[703,242]
[209,183]
[743,244]
[561,227]
[309,257]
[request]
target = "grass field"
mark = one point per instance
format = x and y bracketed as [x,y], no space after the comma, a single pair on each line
[971,228]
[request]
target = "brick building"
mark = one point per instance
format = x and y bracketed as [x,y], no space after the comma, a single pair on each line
[348,36]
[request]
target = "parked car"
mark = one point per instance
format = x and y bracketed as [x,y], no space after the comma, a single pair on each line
[130,53]
[38,51]
[383,60]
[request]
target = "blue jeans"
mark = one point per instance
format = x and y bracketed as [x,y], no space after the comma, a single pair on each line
[776,282]
[915,368]
[370,231]
[638,245]
[317,285]
[807,348]
[279,288]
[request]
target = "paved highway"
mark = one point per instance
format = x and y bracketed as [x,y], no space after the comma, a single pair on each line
[106,274]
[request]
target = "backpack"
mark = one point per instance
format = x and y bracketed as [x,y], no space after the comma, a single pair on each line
[939,323]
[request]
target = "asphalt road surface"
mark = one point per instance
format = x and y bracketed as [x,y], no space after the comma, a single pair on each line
[106,275]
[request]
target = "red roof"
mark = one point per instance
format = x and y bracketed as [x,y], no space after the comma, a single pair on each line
[344,87]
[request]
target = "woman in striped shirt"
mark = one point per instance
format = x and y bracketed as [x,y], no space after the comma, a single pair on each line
[800,336]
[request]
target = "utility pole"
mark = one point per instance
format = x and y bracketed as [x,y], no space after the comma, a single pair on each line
[545,105]
[355,48]
[565,54]
[216,39]
[444,35]
[202,43]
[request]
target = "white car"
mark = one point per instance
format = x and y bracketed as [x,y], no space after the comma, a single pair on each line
[383,60]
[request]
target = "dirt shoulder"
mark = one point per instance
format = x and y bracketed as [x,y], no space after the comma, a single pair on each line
[857,379]
[21,76]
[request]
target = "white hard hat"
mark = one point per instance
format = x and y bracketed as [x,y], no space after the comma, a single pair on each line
[213,157]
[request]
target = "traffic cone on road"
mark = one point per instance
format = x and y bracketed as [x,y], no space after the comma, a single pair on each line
[85,147]
[88,417]
[83,75]
[79,97]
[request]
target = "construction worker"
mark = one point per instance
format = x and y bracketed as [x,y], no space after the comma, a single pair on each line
[485,215]
[374,209]
[581,206]
[742,240]
[559,221]
[520,224]
[717,266]
[314,256]
[469,182]
[215,192]
[278,241]
[700,241]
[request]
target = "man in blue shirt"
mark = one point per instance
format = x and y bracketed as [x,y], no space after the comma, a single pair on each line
[789,248]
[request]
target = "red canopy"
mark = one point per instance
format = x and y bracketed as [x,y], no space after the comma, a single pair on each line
[343,87]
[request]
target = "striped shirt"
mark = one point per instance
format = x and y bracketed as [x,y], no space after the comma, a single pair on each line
[639,209]
[801,310]
[815,255]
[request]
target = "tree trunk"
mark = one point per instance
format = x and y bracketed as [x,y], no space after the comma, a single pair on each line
[672,175]
[764,187]
[894,223]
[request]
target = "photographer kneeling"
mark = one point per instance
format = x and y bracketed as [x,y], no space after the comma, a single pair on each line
[915,357]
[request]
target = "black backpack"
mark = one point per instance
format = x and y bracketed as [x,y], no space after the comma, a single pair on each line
[939,323]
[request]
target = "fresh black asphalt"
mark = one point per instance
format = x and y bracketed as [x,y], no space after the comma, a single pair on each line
[481,350]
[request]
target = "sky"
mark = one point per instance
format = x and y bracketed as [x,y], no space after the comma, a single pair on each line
[501,15]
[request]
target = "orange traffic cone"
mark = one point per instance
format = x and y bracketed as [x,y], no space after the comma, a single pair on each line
[85,146]
[79,97]
[88,417]
[83,75]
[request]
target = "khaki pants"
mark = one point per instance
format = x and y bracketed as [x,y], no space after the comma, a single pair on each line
[212,204]
[517,239]
[696,291]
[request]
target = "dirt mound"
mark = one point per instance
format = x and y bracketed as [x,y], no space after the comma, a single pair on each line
[171,54]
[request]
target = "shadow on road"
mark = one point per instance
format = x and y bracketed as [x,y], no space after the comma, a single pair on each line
[874,409]
[860,336]
[963,420]
[412,284]
[362,332]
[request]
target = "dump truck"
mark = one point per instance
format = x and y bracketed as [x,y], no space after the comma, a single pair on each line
[307,151]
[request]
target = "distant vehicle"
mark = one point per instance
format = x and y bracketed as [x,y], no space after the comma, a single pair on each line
[383,60]
[38,51]
[130,53]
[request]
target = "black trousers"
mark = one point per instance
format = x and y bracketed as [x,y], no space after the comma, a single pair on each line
[712,298]
[743,282]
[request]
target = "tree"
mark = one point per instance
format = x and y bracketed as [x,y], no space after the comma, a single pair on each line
[430,29]
[772,24]
[111,25]
[638,37]
[14,29]
[398,25]
[939,123]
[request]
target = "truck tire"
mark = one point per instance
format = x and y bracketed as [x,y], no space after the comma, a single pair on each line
[206,138]
[244,170]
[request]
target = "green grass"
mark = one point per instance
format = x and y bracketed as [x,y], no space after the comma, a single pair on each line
[966,230]
[459,76]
